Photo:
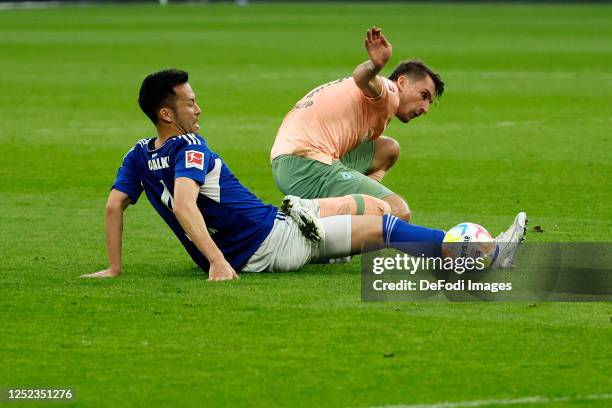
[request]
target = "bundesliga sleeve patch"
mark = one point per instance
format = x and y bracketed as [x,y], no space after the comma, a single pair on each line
[194,159]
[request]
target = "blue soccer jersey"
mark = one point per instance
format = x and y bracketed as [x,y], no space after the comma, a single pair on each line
[236,219]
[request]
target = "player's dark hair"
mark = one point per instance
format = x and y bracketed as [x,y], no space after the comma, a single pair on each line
[417,70]
[157,90]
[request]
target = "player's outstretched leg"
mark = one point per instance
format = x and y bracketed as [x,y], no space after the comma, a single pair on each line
[349,234]
[346,235]
[352,204]
[399,207]
[508,241]
[391,231]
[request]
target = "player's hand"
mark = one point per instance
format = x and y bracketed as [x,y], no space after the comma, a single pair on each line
[221,270]
[106,273]
[379,49]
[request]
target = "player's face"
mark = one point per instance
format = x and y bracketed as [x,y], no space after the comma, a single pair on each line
[415,97]
[186,112]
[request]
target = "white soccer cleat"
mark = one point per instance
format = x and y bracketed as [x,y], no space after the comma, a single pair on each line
[508,241]
[290,201]
[343,260]
[305,214]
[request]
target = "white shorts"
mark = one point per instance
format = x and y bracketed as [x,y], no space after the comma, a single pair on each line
[286,249]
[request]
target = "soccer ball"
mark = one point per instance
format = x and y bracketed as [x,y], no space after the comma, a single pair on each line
[469,240]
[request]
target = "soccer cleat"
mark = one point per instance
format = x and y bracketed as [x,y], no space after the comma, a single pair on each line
[343,260]
[508,241]
[290,201]
[304,213]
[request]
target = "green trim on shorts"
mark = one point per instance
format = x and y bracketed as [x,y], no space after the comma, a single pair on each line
[308,178]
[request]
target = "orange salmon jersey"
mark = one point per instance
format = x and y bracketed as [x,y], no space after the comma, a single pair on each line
[333,119]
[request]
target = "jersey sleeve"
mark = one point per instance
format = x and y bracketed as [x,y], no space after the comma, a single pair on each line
[128,179]
[191,161]
[388,99]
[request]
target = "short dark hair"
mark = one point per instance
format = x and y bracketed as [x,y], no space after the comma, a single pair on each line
[157,90]
[416,69]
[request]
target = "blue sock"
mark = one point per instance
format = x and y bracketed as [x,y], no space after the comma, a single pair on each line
[426,241]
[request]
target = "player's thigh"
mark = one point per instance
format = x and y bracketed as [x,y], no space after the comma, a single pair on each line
[360,158]
[299,176]
[285,249]
[291,250]
[343,181]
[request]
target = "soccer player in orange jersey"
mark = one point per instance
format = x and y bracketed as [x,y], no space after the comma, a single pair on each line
[331,143]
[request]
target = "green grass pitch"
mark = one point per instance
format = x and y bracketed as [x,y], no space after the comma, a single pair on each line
[525,124]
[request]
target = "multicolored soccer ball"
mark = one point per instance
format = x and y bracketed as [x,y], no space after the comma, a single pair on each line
[469,240]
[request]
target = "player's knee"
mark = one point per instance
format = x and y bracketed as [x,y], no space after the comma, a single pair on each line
[402,212]
[389,151]
[386,207]
[375,206]
[399,207]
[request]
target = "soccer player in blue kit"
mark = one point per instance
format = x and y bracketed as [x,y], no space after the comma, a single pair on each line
[222,225]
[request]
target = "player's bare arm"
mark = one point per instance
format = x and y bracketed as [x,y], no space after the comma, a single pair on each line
[117,202]
[379,51]
[189,216]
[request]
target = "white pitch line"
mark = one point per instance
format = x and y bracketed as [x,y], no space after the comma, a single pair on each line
[480,403]
[15,5]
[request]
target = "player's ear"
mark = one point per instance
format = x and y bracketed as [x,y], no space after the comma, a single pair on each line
[402,80]
[166,115]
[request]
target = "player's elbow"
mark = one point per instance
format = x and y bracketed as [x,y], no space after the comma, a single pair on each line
[179,210]
[367,82]
[115,206]
[117,202]
[360,78]
[182,207]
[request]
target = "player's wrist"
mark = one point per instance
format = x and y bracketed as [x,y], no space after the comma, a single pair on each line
[217,259]
[375,67]
[114,270]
